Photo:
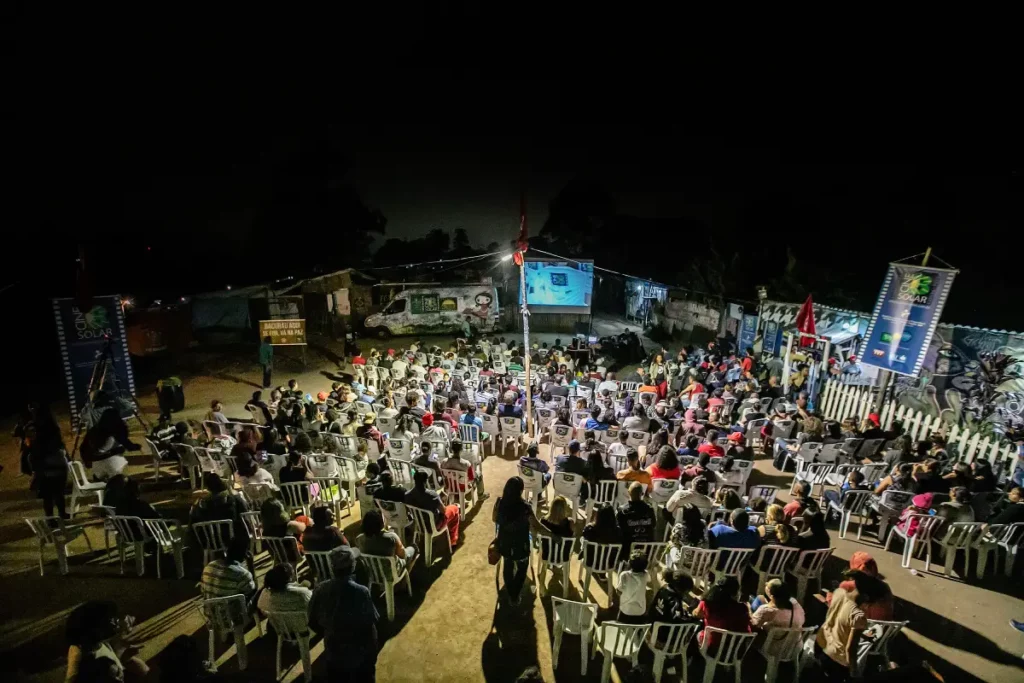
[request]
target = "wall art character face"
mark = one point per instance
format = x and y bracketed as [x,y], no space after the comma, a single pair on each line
[482,307]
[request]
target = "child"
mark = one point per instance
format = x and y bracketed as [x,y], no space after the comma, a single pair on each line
[854,482]
[673,603]
[632,586]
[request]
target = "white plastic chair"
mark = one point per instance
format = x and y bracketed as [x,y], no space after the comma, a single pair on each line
[617,640]
[351,473]
[156,459]
[607,492]
[386,425]
[545,416]
[559,437]
[852,503]
[213,537]
[766,492]
[698,564]
[534,485]
[638,438]
[806,453]
[808,566]
[883,632]
[662,490]
[401,472]
[926,526]
[654,551]
[779,562]
[426,526]
[254,525]
[457,485]
[132,531]
[228,615]
[791,650]
[568,485]
[670,640]
[257,494]
[734,561]
[602,561]
[574,618]
[322,465]
[512,431]
[330,492]
[81,487]
[295,495]
[554,551]
[292,627]
[167,536]
[960,536]
[399,448]
[492,427]
[814,474]
[782,429]
[1008,537]
[889,507]
[729,652]
[839,474]
[470,437]
[385,573]
[285,550]
[53,531]
[873,473]
[395,515]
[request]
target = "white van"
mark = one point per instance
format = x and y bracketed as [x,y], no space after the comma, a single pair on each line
[436,310]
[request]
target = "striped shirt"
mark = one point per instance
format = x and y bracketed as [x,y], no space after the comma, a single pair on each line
[222,578]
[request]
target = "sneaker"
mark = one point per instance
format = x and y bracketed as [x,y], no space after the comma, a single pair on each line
[1019,625]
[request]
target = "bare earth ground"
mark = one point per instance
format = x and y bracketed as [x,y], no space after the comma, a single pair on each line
[453,628]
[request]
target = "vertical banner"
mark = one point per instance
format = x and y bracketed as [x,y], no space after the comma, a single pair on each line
[771,337]
[905,317]
[83,334]
[748,333]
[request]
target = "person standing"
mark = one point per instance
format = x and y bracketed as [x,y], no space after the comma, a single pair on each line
[48,461]
[343,612]
[266,360]
[514,520]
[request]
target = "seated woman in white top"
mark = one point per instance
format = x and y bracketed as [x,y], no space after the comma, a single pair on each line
[250,472]
[779,610]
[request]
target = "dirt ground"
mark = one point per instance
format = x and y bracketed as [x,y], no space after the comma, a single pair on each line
[453,627]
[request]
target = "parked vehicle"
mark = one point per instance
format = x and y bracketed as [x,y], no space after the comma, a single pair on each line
[436,310]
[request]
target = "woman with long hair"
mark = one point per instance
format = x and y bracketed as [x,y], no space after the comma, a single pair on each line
[47,460]
[596,469]
[667,466]
[514,520]
[689,534]
[728,499]
[814,535]
[720,608]
[557,520]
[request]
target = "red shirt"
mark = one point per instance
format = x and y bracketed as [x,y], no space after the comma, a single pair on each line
[658,473]
[731,616]
[794,508]
[712,449]
[747,364]
[358,360]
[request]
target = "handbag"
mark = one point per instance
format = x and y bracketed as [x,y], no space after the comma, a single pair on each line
[493,556]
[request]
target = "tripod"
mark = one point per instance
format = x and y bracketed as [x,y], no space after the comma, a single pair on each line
[104,361]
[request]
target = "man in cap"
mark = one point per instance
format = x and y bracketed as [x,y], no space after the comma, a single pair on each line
[343,612]
[533,461]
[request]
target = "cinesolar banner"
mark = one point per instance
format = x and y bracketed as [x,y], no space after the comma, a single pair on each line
[905,317]
[82,334]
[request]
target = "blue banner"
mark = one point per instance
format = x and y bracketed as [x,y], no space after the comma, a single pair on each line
[82,334]
[905,317]
[748,332]
[771,337]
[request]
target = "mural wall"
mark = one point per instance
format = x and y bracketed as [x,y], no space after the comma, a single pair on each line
[951,367]
[951,371]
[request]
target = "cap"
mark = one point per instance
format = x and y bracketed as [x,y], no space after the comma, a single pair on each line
[736,436]
[533,448]
[428,420]
[574,446]
[369,418]
[875,419]
[322,396]
[343,558]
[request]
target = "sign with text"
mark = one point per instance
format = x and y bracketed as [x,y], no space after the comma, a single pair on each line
[748,333]
[905,317]
[284,332]
[83,333]
[771,337]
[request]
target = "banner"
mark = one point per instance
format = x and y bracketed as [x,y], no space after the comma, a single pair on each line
[771,337]
[284,332]
[748,333]
[905,317]
[83,335]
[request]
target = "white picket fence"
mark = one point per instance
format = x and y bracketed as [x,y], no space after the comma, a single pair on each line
[840,401]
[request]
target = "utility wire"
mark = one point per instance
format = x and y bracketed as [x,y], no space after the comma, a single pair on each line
[438,261]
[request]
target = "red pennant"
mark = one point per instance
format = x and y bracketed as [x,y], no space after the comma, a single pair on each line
[805,323]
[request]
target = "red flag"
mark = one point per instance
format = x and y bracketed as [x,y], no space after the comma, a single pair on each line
[523,241]
[805,323]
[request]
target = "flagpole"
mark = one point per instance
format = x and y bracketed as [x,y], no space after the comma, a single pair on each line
[526,348]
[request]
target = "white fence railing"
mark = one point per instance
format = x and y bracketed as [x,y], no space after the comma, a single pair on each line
[840,401]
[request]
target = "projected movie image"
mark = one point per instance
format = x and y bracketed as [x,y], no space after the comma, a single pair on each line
[562,284]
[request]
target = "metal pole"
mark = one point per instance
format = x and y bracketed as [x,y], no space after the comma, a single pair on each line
[526,350]
[885,375]
[785,364]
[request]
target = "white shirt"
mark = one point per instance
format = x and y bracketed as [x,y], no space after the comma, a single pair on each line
[399,367]
[686,495]
[633,589]
[261,476]
[608,384]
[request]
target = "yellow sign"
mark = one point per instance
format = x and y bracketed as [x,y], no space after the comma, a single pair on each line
[284,332]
